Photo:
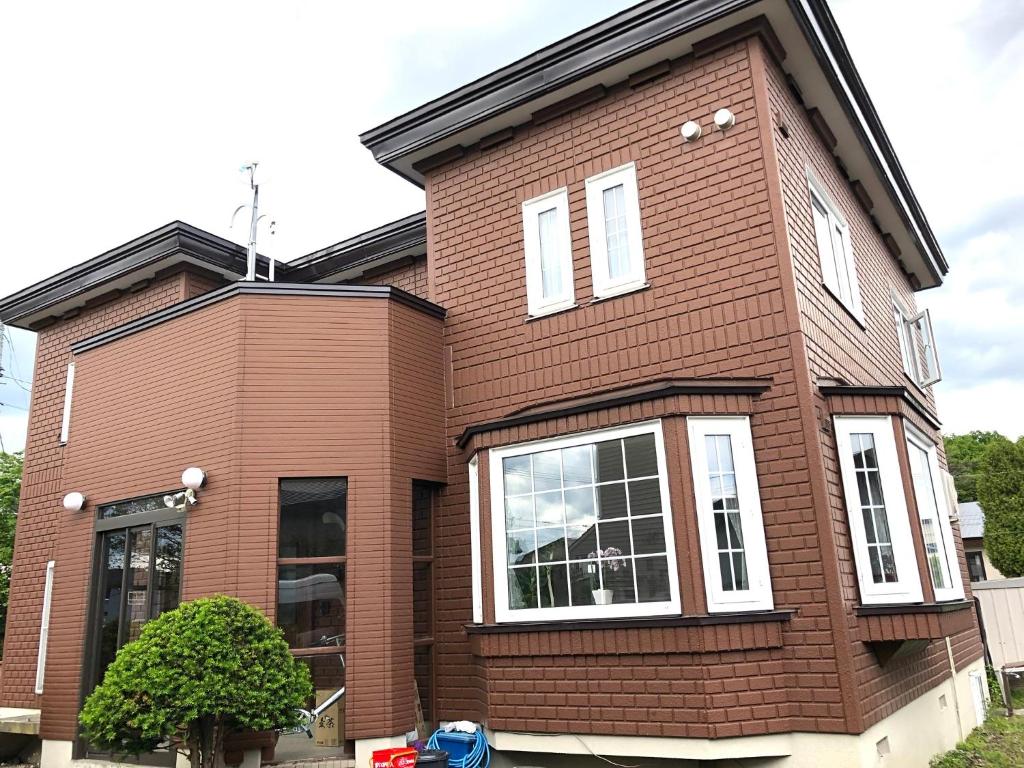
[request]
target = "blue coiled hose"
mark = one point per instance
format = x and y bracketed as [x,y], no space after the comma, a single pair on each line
[478,757]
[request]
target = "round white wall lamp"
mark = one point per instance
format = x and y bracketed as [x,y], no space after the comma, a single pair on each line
[724,119]
[690,131]
[193,478]
[74,502]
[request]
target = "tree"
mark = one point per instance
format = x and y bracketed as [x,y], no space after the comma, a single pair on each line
[10,493]
[196,673]
[964,456]
[1001,494]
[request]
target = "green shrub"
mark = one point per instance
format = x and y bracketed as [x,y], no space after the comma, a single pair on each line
[196,673]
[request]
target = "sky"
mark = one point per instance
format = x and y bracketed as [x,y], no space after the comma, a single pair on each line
[120,117]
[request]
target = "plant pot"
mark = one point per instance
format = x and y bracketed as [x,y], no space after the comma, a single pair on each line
[602,596]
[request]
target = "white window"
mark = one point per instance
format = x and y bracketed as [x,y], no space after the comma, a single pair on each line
[474,539]
[549,281]
[877,510]
[832,235]
[65,422]
[917,345]
[729,518]
[44,627]
[582,527]
[939,545]
[616,243]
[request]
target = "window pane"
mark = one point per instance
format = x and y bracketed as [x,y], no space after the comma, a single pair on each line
[547,471]
[167,569]
[549,508]
[550,264]
[615,230]
[609,461]
[112,582]
[641,456]
[928,509]
[579,506]
[554,586]
[583,580]
[648,536]
[823,236]
[551,544]
[617,575]
[644,498]
[522,588]
[519,512]
[578,465]
[614,539]
[872,503]
[311,604]
[132,506]
[611,501]
[140,542]
[521,547]
[725,505]
[581,541]
[313,517]
[652,580]
[518,478]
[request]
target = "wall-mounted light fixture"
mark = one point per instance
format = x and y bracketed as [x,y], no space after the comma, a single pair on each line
[724,119]
[690,130]
[74,502]
[193,478]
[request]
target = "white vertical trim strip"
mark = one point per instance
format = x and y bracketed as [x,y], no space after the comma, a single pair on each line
[44,628]
[474,540]
[65,422]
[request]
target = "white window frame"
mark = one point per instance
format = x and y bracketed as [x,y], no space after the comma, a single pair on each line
[907,587]
[910,329]
[837,224]
[537,303]
[44,627]
[758,597]
[503,614]
[916,439]
[474,539]
[604,285]
[65,421]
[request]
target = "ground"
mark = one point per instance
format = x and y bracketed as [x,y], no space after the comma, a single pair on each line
[999,743]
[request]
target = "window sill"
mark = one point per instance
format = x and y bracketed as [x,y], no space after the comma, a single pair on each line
[918,621]
[621,291]
[846,307]
[549,312]
[575,625]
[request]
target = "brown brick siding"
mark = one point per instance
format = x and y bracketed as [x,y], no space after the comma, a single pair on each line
[43,485]
[410,276]
[714,308]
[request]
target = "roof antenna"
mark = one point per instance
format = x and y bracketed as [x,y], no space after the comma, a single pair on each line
[250,272]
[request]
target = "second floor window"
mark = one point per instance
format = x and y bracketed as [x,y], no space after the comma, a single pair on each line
[832,237]
[917,345]
[549,279]
[616,244]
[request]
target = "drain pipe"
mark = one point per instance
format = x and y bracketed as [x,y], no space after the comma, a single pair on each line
[956,697]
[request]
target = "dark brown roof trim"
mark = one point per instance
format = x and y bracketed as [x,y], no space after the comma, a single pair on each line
[363,249]
[656,622]
[436,161]
[176,237]
[758,26]
[618,397]
[262,289]
[647,74]
[902,393]
[891,610]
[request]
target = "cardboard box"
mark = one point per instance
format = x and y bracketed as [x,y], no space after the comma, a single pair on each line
[399,757]
[329,728]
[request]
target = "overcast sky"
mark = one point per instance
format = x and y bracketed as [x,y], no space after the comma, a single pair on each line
[120,117]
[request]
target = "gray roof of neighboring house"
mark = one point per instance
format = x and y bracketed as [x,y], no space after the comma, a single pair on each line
[972,520]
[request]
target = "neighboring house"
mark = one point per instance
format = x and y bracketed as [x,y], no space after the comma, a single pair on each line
[972,531]
[626,445]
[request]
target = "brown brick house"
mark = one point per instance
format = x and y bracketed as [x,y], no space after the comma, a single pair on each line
[626,446]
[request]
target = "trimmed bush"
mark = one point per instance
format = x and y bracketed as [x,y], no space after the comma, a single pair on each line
[209,667]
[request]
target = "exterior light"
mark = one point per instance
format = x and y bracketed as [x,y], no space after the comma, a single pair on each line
[690,130]
[724,119]
[74,502]
[193,478]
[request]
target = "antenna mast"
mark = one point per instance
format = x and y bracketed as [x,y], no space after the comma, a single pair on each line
[250,272]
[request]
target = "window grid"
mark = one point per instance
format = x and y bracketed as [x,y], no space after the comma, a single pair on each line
[873,510]
[600,560]
[732,558]
[616,231]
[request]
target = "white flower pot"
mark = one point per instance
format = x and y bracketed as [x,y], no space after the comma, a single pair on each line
[602,596]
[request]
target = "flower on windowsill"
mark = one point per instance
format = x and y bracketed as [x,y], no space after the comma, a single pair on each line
[611,558]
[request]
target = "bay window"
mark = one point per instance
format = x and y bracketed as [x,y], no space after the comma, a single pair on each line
[581,527]
[616,243]
[877,510]
[548,245]
[729,514]
[936,532]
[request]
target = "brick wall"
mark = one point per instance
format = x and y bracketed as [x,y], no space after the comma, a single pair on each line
[410,276]
[43,485]
[837,346]
[714,308]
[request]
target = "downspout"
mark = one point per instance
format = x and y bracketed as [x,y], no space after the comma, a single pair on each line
[956,697]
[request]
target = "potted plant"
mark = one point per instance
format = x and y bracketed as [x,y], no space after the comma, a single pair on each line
[612,559]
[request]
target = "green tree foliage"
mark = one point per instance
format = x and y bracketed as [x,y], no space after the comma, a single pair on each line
[10,492]
[196,673]
[964,456]
[1001,494]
